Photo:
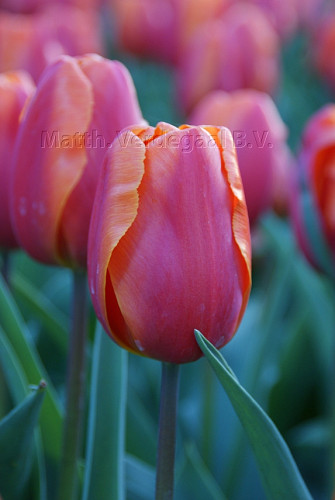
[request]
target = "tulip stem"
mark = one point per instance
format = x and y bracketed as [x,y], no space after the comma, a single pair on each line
[72,431]
[167,432]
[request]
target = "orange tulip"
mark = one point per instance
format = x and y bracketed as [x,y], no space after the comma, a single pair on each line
[78,108]
[316,179]
[15,88]
[259,135]
[169,241]
[239,50]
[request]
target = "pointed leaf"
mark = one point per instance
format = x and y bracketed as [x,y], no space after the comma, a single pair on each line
[278,471]
[16,444]
[18,387]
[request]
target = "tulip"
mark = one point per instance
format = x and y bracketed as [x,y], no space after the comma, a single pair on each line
[259,135]
[240,50]
[15,88]
[160,29]
[313,195]
[79,106]
[169,241]
[33,41]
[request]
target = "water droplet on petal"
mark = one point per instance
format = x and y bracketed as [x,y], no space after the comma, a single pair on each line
[139,345]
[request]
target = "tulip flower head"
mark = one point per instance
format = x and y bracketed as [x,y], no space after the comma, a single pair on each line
[237,51]
[33,41]
[313,195]
[79,107]
[15,89]
[169,241]
[160,29]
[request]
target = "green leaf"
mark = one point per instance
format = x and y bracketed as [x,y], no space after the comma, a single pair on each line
[104,475]
[13,371]
[17,335]
[140,479]
[54,321]
[18,387]
[279,473]
[212,490]
[16,444]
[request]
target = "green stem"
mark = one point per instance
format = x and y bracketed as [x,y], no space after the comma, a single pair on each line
[72,431]
[167,432]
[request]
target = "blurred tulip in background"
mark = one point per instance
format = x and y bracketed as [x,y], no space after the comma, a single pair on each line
[260,139]
[15,89]
[169,242]
[160,29]
[240,50]
[78,108]
[313,197]
[33,41]
[29,6]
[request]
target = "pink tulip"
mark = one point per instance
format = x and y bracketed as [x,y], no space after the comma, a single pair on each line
[15,89]
[160,29]
[31,42]
[169,242]
[238,51]
[78,108]
[259,135]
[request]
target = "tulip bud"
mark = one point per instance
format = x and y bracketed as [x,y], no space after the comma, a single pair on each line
[259,134]
[33,41]
[160,28]
[79,106]
[239,50]
[15,88]
[169,241]
[313,194]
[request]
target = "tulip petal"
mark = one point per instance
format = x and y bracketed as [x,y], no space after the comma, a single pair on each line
[56,119]
[114,212]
